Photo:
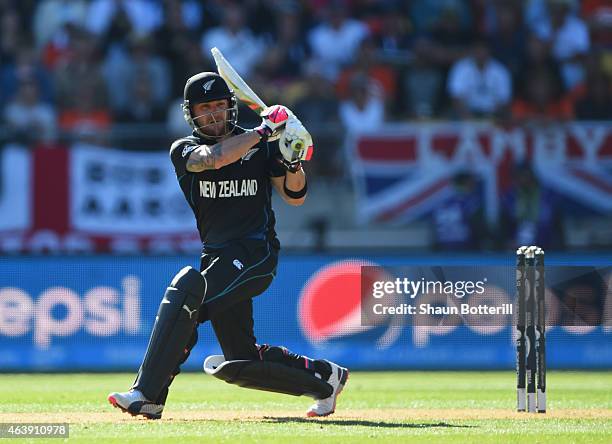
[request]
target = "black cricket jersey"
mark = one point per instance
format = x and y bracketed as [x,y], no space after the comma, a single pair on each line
[233,202]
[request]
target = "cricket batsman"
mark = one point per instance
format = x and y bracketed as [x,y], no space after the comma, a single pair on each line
[227,174]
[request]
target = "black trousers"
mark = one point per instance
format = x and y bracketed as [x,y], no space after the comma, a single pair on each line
[234,275]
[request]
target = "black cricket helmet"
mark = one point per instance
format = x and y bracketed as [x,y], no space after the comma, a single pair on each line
[208,87]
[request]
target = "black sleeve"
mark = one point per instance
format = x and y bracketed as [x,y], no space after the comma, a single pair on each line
[179,153]
[275,169]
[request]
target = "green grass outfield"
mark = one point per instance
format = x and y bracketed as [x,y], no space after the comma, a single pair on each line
[375,407]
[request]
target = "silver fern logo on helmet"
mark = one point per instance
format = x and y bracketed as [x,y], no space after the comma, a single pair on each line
[208,85]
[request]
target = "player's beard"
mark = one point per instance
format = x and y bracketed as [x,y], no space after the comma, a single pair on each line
[213,128]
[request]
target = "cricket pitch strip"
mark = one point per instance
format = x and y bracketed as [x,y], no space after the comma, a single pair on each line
[271,416]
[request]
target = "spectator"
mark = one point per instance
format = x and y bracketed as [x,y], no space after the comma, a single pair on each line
[364,110]
[24,9]
[542,99]
[263,15]
[597,101]
[11,36]
[170,36]
[190,61]
[447,39]
[175,39]
[81,68]
[85,119]
[318,109]
[396,36]
[117,19]
[51,16]
[191,13]
[26,66]
[287,52]
[143,106]
[422,86]
[123,72]
[367,62]
[59,48]
[335,41]
[537,58]
[234,40]
[479,85]
[212,13]
[428,14]
[535,12]
[459,223]
[317,104]
[530,214]
[508,36]
[442,42]
[569,37]
[29,119]
[598,15]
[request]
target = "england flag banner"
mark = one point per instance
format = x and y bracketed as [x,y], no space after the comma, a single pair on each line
[15,189]
[115,191]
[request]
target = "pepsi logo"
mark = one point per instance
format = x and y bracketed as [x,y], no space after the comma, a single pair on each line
[330,302]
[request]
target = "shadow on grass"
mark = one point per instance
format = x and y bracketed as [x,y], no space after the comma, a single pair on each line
[364,423]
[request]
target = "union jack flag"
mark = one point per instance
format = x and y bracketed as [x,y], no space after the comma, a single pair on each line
[404,172]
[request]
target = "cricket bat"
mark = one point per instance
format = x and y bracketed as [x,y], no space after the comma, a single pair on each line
[244,93]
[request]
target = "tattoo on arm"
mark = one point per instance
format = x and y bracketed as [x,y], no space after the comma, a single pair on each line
[203,158]
[220,154]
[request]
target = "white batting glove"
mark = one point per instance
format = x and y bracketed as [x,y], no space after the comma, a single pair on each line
[274,119]
[295,144]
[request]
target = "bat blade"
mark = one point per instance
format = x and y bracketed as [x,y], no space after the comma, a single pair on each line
[244,93]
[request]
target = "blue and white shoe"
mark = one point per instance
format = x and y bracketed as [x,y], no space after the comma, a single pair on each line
[327,406]
[135,403]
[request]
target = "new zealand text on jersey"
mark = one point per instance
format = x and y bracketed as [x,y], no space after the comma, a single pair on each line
[228,188]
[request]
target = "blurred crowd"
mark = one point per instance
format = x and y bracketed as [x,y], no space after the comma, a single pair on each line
[530,214]
[78,67]
[101,70]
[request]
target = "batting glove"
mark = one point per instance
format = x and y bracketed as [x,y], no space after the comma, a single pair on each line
[274,119]
[295,144]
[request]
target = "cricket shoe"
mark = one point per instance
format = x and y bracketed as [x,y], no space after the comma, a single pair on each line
[327,406]
[135,403]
